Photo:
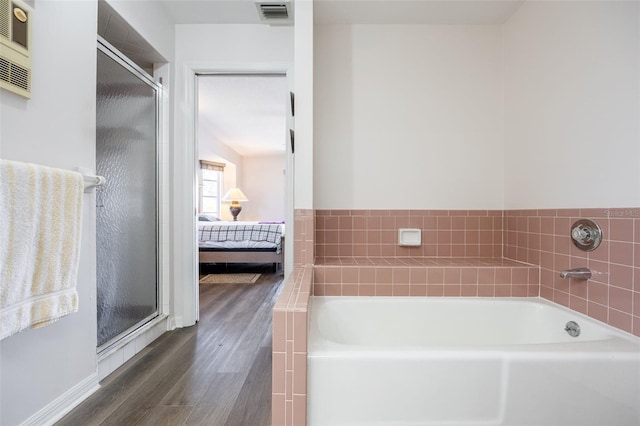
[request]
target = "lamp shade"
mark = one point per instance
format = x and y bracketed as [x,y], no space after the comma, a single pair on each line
[234,194]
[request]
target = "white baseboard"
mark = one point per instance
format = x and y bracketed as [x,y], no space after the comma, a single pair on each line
[174,322]
[107,363]
[66,402]
[122,351]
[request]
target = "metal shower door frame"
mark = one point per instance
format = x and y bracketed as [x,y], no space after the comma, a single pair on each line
[113,53]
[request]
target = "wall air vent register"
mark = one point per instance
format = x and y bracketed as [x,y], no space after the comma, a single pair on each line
[275,13]
[15,47]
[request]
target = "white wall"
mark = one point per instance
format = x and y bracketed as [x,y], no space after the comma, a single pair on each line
[304,90]
[572,99]
[261,178]
[541,112]
[264,185]
[150,21]
[408,116]
[45,370]
[212,149]
[55,128]
[229,46]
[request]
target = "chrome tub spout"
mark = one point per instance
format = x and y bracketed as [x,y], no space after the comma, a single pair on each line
[577,273]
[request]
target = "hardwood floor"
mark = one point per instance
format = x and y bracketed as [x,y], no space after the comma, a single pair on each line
[217,372]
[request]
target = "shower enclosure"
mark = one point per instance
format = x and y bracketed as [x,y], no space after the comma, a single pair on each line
[126,206]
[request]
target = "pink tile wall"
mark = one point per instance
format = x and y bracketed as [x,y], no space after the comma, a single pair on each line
[613,294]
[374,233]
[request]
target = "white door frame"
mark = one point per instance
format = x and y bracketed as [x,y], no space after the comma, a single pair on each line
[185,259]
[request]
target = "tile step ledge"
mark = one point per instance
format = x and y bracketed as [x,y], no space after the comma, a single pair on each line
[437,262]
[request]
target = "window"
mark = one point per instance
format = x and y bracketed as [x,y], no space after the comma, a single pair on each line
[211,174]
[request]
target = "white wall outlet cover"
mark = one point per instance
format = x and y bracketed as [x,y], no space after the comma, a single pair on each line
[410,237]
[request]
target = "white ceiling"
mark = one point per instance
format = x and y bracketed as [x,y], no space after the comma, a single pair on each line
[434,12]
[247,112]
[437,12]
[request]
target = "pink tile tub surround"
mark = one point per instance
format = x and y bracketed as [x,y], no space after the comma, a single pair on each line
[373,233]
[542,237]
[363,244]
[464,253]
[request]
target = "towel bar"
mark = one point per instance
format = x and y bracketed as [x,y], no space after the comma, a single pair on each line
[91,182]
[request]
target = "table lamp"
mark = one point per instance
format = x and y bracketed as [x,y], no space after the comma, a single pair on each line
[235,196]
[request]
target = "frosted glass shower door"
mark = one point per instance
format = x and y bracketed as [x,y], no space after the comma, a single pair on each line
[126,206]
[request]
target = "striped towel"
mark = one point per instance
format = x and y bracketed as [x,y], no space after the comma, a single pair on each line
[40,230]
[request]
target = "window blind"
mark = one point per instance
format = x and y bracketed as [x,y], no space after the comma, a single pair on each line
[210,165]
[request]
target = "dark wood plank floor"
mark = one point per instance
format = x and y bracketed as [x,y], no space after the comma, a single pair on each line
[217,372]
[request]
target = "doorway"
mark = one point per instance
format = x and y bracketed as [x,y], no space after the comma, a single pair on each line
[241,124]
[185,246]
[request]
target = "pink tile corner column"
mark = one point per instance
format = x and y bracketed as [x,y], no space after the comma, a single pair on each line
[304,237]
[290,319]
[289,365]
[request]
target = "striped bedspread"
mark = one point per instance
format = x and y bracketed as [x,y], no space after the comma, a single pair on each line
[221,232]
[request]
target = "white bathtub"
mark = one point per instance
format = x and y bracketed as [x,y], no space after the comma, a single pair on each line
[466,361]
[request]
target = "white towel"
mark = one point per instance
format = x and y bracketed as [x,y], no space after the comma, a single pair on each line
[40,230]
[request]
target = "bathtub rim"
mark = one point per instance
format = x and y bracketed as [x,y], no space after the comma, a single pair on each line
[621,344]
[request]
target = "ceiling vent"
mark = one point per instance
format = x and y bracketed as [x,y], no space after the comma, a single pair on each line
[274,13]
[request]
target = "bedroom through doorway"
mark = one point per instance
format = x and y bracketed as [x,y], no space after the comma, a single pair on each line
[242,128]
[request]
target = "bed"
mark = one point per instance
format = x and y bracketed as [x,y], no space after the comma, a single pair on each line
[241,242]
